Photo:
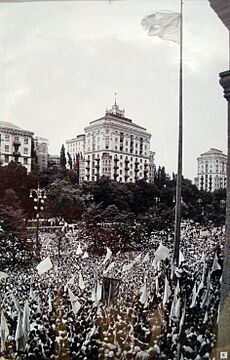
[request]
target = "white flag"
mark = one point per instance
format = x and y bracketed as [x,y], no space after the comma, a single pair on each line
[50,307]
[146,258]
[4,331]
[85,255]
[79,250]
[26,321]
[81,282]
[44,266]
[19,334]
[74,302]
[194,296]
[3,275]
[111,266]
[137,259]
[181,257]
[127,267]
[70,282]
[215,266]
[167,291]
[164,24]
[107,256]
[144,295]
[161,253]
[99,291]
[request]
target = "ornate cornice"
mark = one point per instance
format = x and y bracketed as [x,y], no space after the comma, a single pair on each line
[225,83]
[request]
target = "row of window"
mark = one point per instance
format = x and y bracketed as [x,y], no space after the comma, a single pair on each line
[7,160]
[16,138]
[25,150]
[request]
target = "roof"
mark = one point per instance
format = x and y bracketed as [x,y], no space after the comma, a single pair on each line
[9,125]
[213,151]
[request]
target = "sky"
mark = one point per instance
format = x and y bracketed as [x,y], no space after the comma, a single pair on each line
[62,61]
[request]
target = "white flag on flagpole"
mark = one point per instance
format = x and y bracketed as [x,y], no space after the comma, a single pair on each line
[74,302]
[144,295]
[44,266]
[164,24]
[167,292]
[79,250]
[215,266]
[85,255]
[26,321]
[146,258]
[4,331]
[127,267]
[81,282]
[161,253]
[107,256]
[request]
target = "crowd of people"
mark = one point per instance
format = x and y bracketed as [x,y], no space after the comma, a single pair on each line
[152,310]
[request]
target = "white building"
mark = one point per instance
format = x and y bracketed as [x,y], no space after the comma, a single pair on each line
[41,148]
[212,170]
[76,146]
[15,144]
[115,147]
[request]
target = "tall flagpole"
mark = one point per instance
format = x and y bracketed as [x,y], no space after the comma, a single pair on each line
[180,147]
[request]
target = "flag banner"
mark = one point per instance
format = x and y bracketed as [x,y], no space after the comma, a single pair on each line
[144,295]
[111,266]
[137,259]
[107,256]
[215,266]
[4,331]
[98,291]
[161,253]
[85,255]
[194,296]
[3,275]
[164,24]
[15,301]
[79,250]
[127,267]
[81,282]
[167,292]
[70,282]
[74,302]
[26,321]
[110,289]
[19,334]
[44,266]
[50,306]
[181,257]
[146,258]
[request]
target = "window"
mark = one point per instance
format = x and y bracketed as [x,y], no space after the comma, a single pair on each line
[120,172]
[6,158]
[26,151]
[7,137]
[7,148]
[26,141]
[25,161]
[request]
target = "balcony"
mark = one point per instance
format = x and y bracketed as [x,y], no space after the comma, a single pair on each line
[116,167]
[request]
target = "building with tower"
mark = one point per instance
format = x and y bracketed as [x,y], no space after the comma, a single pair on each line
[212,170]
[115,147]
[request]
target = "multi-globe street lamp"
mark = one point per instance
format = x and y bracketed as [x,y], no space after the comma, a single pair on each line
[39,196]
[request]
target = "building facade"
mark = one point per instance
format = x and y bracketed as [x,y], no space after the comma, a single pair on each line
[212,170]
[53,160]
[76,146]
[114,147]
[41,147]
[15,144]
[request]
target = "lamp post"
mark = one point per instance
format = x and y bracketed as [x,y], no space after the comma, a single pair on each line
[39,196]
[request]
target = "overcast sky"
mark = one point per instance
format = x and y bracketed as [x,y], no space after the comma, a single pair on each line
[61,63]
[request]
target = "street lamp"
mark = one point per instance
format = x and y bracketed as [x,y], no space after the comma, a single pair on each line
[39,196]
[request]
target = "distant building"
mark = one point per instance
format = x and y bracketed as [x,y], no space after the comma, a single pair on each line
[41,149]
[212,173]
[53,160]
[76,146]
[115,147]
[15,144]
